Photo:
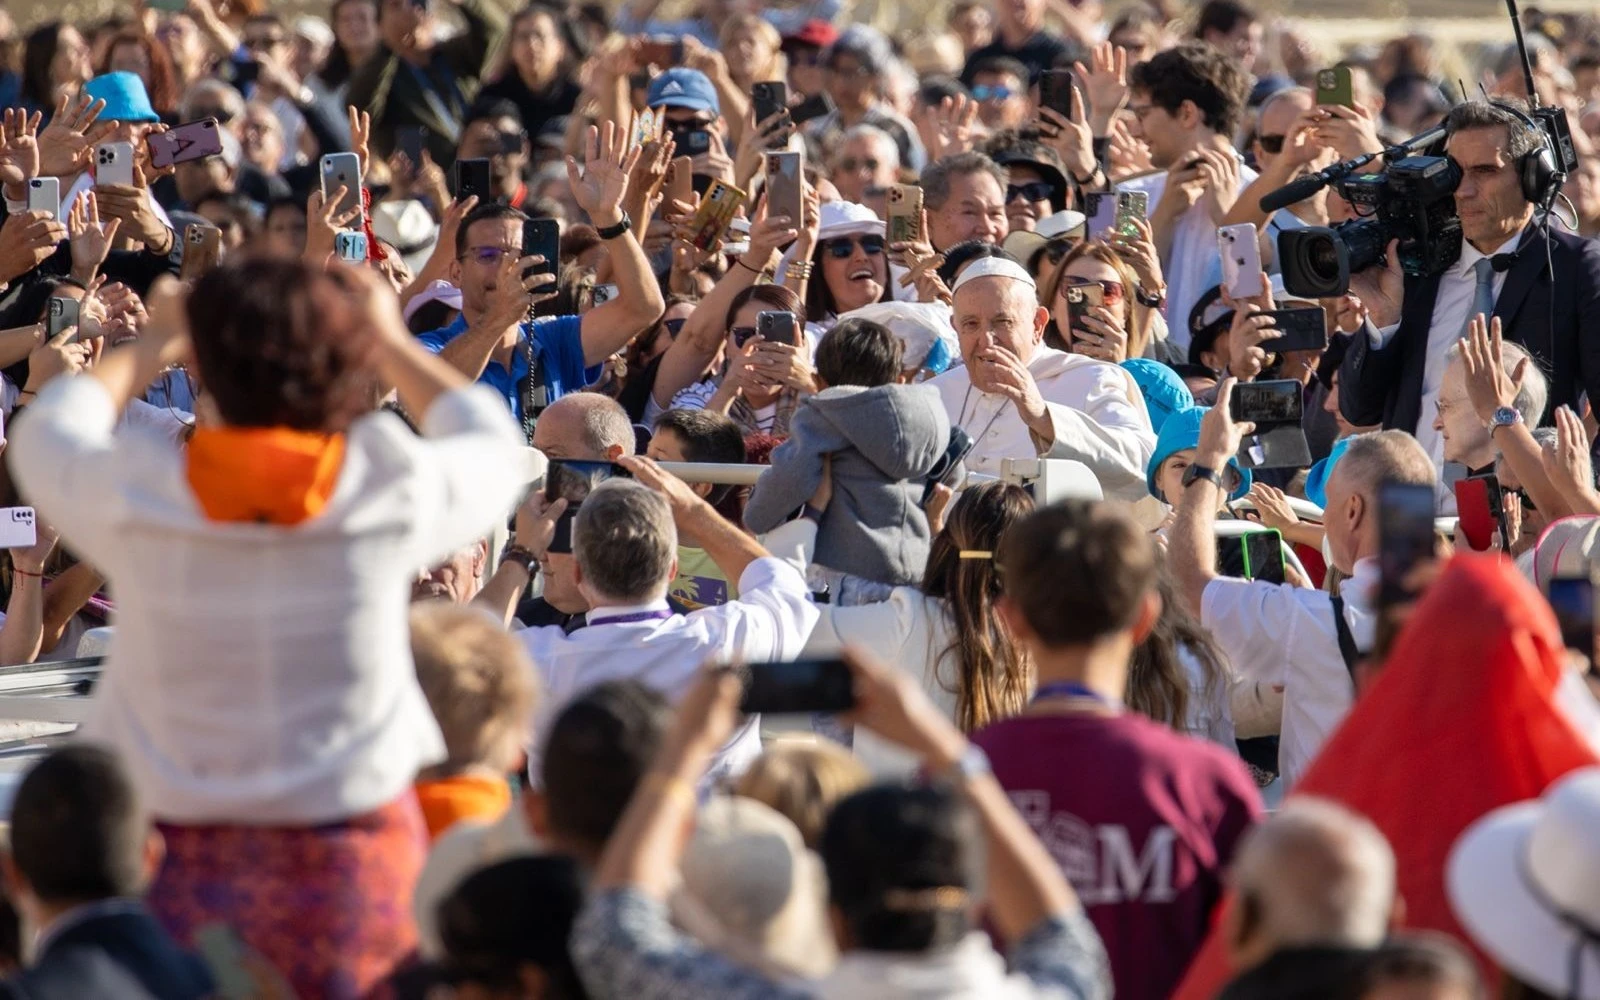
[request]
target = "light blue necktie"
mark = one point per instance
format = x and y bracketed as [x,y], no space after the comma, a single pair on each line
[1482,294]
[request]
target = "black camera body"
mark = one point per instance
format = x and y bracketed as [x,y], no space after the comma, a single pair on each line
[1413,201]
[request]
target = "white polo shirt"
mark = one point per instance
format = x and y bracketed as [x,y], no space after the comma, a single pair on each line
[1283,635]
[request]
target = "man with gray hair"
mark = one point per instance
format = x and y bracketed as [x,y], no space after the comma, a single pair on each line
[865,162]
[1305,642]
[1314,897]
[1017,398]
[1466,438]
[965,198]
[625,543]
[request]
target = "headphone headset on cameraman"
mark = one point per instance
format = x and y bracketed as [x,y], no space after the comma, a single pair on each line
[1537,169]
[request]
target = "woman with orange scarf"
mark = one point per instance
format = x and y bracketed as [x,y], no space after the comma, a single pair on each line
[260,683]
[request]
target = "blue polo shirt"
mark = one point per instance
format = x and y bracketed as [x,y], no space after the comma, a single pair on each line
[558,342]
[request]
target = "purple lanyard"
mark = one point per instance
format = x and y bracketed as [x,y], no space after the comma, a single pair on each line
[1072,689]
[637,616]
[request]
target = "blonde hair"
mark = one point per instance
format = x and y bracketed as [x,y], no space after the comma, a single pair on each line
[777,67]
[478,682]
[803,781]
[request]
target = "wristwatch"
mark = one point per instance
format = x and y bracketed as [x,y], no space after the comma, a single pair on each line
[522,556]
[1505,416]
[1150,300]
[1197,472]
[612,232]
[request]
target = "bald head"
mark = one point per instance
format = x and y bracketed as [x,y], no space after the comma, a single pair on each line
[584,427]
[1314,873]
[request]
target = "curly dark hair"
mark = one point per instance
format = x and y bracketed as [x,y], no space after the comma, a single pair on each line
[270,350]
[1194,71]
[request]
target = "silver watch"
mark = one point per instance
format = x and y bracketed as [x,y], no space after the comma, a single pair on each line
[1505,416]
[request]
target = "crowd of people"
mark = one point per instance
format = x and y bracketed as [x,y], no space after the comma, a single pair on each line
[575,504]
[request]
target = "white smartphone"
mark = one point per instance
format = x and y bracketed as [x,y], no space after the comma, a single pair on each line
[44,195]
[604,294]
[113,163]
[343,169]
[17,530]
[1241,261]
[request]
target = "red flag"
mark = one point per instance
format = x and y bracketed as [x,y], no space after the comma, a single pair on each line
[1462,719]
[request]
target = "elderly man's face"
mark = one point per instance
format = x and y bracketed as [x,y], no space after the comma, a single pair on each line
[862,163]
[975,210]
[456,580]
[992,312]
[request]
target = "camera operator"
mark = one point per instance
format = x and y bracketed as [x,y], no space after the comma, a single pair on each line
[1394,372]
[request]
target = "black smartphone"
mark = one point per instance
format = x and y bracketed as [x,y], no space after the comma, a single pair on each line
[472,178]
[815,106]
[1255,555]
[1273,402]
[798,686]
[693,142]
[1572,599]
[542,237]
[777,327]
[573,480]
[1055,91]
[1299,330]
[768,98]
[1405,536]
[561,539]
[411,140]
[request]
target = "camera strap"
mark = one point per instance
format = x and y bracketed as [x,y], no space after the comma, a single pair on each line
[1347,641]
[532,390]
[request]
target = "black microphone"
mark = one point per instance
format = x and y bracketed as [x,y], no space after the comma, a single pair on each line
[1294,191]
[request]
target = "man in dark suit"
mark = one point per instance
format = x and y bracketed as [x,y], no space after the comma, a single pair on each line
[82,852]
[1542,284]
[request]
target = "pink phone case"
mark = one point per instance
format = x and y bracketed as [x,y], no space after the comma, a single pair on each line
[190,141]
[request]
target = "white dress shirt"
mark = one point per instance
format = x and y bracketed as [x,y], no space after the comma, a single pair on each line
[262,674]
[1452,308]
[1096,411]
[1280,634]
[1193,264]
[769,621]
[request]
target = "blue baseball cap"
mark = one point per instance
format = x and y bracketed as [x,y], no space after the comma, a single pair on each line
[1182,430]
[1165,393]
[681,87]
[125,97]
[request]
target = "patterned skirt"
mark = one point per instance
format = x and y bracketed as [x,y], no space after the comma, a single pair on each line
[328,906]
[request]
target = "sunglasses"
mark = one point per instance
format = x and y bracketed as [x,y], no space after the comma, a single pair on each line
[983,92]
[742,335]
[1031,191]
[1271,143]
[841,247]
[674,326]
[1111,292]
[850,164]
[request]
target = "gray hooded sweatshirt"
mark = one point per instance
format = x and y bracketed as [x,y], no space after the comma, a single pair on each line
[884,442]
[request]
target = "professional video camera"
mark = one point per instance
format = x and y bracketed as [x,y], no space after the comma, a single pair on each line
[1412,201]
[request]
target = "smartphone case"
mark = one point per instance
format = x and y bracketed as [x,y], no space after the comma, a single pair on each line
[1241,260]
[1479,512]
[189,141]
[1276,443]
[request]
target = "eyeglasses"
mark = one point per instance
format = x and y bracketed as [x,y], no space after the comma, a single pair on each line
[489,255]
[983,92]
[742,334]
[850,164]
[674,326]
[841,247]
[1031,191]
[1111,292]
[1272,144]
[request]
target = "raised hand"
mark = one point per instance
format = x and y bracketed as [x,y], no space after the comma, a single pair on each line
[324,221]
[1568,462]
[60,355]
[64,146]
[1071,137]
[1251,328]
[953,126]
[27,240]
[19,152]
[1220,172]
[1106,84]
[1128,155]
[1488,386]
[1273,507]
[1002,372]
[1140,253]
[132,206]
[361,136]
[603,182]
[91,239]
[1099,335]
[125,313]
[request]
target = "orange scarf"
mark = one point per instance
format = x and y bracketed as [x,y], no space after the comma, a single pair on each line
[447,801]
[269,475]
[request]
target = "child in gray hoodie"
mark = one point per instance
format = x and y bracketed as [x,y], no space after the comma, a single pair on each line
[885,439]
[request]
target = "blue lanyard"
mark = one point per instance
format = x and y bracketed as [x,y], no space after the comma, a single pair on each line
[1072,689]
[637,616]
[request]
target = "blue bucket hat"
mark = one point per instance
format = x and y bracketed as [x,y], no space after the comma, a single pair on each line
[1182,430]
[1317,478]
[125,97]
[681,87]
[1164,391]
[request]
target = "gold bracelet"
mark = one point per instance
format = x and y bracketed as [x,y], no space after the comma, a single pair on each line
[800,270]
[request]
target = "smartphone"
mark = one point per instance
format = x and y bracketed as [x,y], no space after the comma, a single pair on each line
[1241,261]
[1405,536]
[350,246]
[717,208]
[1055,91]
[1132,206]
[815,106]
[663,51]
[64,314]
[777,327]
[1101,209]
[202,249]
[798,686]
[1299,329]
[561,539]
[1255,555]
[571,480]
[604,294]
[44,195]
[113,163]
[542,237]
[680,180]
[189,141]
[1334,86]
[1479,512]
[904,208]
[473,178]
[343,170]
[1572,599]
[411,140]
[694,141]
[785,186]
[768,98]
[17,528]
[1082,298]
[1273,402]
[224,956]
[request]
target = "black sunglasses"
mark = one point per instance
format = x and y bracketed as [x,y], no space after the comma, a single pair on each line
[1271,143]
[742,335]
[1031,191]
[674,326]
[841,247]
